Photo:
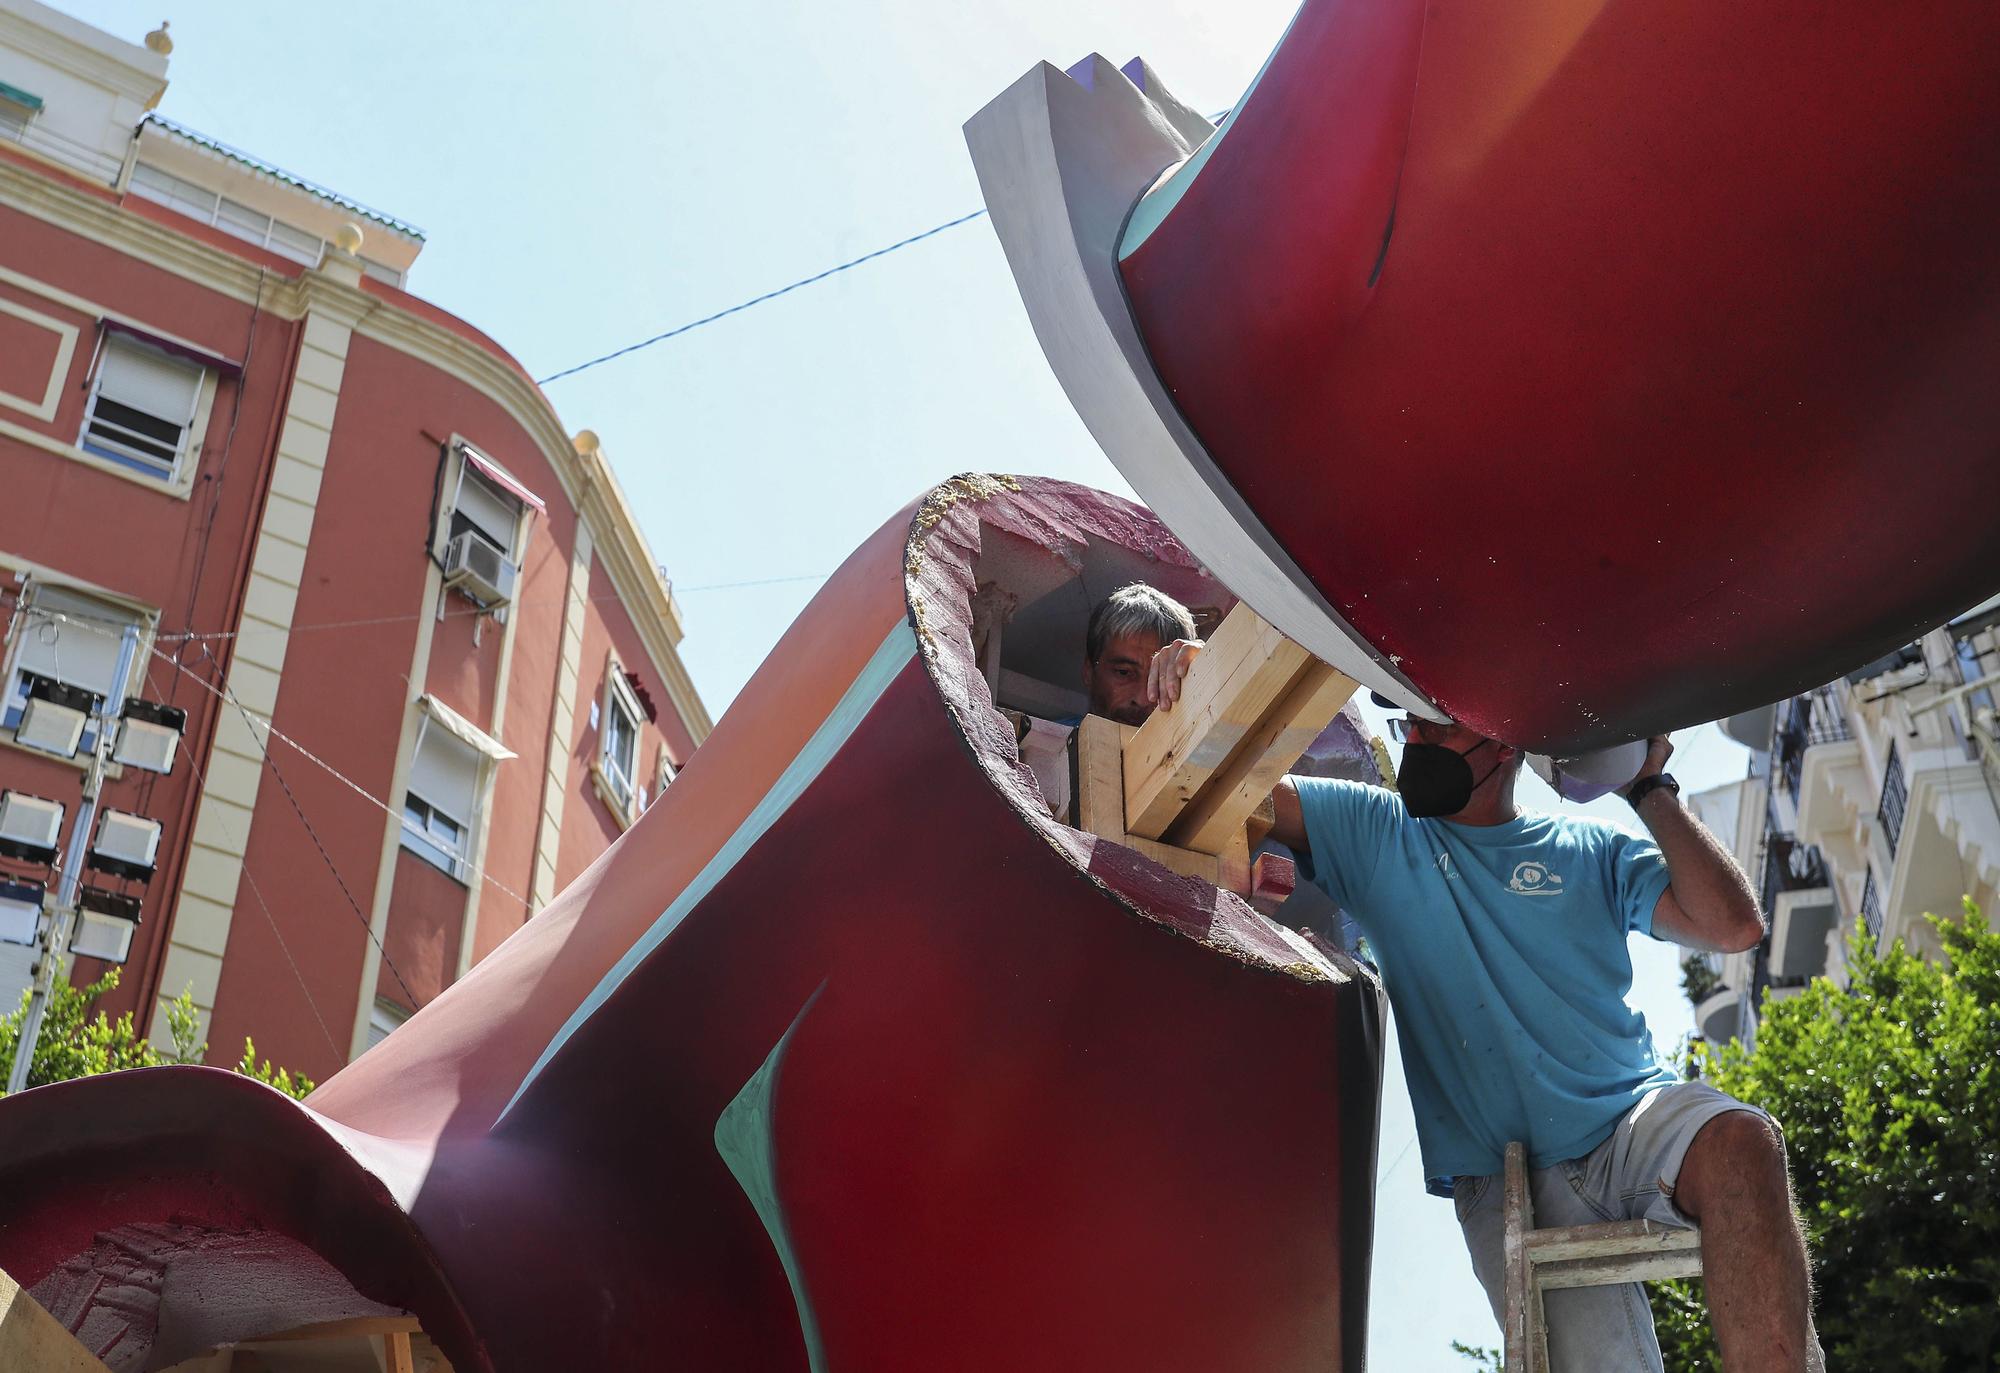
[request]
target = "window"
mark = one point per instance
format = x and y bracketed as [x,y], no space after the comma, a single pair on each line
[484,510]
[441,800]
[667,774]
[142,407]
[232,217]
[618,755]
[64,636]
[384,1019]
[17,109]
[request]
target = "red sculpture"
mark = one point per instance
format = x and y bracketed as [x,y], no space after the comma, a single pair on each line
[847,1055]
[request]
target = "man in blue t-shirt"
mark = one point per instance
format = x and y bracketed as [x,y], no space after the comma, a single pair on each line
[1501,938]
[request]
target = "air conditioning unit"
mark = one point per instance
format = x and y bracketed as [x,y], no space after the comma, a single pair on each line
[480,570]
[30,827]
[126,845]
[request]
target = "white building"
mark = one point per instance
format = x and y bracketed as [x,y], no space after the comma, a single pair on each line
[1874,799]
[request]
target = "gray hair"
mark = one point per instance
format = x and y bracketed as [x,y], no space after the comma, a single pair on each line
[1136,608]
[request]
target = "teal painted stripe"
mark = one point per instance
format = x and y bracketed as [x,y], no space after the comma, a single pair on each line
[746,1135]
[1154,206]
[860,697]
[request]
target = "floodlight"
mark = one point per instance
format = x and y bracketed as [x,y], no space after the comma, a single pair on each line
[29,826]
[126,845]
[21,911]
[54,718]
[104,924]
[148,735]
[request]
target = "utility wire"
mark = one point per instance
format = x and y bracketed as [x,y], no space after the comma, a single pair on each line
[201,780]
[692,325]
[250,722]
[259,723]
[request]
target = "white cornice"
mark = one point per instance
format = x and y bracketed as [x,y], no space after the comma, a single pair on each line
[76,48]
[619,540]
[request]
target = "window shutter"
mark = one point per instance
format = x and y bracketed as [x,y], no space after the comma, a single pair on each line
[149,382]
[445,773]
[491,512]
[81,655]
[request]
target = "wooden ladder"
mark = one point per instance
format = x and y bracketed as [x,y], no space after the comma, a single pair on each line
[1575,1256]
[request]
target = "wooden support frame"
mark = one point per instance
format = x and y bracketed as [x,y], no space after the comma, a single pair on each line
[1191,787]
[1250,705]
[33,1341]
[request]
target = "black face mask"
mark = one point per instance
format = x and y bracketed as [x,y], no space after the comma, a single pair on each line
[1435,780]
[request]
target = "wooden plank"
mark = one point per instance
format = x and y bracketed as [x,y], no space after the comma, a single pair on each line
[1235,790]
[1612,1238]
[1518,1218]
[1245,670]
[352,1327]
[1207,866]
[1647,1267]
[33,1341]
[1100,778]
[396,1352]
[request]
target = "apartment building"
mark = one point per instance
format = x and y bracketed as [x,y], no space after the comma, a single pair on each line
[422,666]
[1871,800]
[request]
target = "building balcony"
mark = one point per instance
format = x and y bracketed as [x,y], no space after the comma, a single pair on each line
[1716,1017]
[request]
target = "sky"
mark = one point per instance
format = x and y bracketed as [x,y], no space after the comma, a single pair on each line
[594,173]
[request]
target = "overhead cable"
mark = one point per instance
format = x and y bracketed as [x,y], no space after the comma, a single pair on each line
[692,325]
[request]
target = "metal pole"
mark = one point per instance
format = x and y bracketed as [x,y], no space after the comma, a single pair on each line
[55,944]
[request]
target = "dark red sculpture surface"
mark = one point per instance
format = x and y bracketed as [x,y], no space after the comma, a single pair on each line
[844,1057]
[1612,366]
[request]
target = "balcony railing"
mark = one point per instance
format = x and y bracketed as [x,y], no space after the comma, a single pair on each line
[92,162]
[1789,866]
[1871,906]
[1803,722]
[1895,799]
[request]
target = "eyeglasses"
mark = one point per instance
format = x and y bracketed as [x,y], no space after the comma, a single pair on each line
[1407,729]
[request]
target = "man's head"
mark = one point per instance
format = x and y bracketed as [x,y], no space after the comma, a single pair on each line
[1478,785]
[1128,627]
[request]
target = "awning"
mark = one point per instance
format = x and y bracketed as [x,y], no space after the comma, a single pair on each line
[14,95]
[494,473]
[179,348]
[463,730]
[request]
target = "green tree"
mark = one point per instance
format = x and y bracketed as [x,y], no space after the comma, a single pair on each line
[74,1043]
[1889,1094]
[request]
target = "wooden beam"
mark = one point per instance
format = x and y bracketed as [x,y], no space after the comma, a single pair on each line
[1245,671]
[396,1348]
[1219,809]
[33,1341]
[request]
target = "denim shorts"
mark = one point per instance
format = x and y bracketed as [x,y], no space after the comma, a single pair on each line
[1630,1176]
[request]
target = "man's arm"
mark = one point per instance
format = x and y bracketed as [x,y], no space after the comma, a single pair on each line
[1708,903]
[1290,828]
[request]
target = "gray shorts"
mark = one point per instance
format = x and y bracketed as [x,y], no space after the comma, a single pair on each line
[1630,1176]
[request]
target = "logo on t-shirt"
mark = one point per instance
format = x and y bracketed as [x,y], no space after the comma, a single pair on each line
[1534,879]
[1446,866]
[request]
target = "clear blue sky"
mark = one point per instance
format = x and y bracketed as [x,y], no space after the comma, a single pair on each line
[593,173]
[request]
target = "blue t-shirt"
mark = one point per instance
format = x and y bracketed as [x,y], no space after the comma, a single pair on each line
[1503,951]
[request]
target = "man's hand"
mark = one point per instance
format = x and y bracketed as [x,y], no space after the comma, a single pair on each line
[1170,665]
[1659,748]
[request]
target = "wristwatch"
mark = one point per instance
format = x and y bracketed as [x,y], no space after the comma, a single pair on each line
[1638,791]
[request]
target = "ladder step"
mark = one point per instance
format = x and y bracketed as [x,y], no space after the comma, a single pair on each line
[1607,1240]
[1615,1268]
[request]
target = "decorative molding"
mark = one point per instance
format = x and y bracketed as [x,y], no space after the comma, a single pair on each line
[562,721]
[45,408]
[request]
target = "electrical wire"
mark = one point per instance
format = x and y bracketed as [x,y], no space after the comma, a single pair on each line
[250,722]
[201,780]
[738,308]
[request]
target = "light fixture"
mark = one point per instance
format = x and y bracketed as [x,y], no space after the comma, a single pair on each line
[55,716]
[20,911]
[126,845]
[104,924]
[148,735]
[30,826]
